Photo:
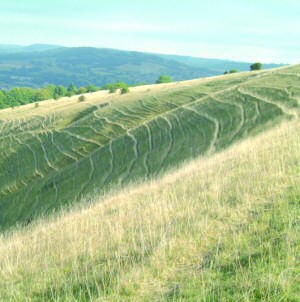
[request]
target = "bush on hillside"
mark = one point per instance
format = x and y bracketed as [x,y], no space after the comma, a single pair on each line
[124,90]
[231,71]
[82,98]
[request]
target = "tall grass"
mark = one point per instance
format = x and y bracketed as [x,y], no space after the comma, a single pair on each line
[224,228]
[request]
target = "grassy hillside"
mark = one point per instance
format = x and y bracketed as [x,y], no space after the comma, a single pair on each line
[225,228]
[61,151]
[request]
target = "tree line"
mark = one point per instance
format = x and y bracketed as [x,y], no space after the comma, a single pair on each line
[24,95]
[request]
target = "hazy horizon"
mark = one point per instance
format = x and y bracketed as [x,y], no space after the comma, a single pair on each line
[229,30]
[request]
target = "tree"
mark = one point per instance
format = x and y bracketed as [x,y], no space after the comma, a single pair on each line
[82,90]
[51,89]
[21,96]
[2,99]
[121,85]
[164,79]
[42,94]
[60,91]
[256,66]
[71,89]
[111,87]
[92,88]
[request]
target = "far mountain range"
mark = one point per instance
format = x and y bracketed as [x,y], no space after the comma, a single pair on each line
[40,64]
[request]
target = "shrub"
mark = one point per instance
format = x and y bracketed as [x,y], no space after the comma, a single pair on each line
[231,71]
[72,89]
[124,90]
[82,98]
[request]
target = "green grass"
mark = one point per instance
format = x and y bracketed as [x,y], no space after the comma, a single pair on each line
[222,228]
[56,154]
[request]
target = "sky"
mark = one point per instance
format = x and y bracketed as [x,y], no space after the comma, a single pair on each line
[240,30]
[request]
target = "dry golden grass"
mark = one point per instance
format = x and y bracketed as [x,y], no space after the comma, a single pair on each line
[222,228]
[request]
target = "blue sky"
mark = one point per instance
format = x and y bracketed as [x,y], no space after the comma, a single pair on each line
[243,30]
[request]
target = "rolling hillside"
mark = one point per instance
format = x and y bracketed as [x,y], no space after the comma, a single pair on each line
[64,150]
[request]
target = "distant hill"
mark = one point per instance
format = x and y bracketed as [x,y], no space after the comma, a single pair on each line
[38,65]
[40,47]
[7,48]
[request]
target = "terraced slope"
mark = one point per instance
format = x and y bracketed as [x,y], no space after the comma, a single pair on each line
[64,150]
